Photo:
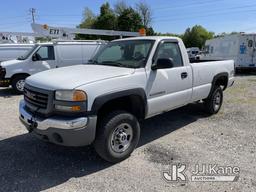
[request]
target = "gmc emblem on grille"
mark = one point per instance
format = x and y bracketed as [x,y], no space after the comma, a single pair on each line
[30,95]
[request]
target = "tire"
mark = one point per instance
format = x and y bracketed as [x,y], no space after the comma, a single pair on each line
[214,102]
[237,71]
[18,83]
[110,138]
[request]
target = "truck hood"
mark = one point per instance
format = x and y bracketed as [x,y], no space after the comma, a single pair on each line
[75,76]
[6,64]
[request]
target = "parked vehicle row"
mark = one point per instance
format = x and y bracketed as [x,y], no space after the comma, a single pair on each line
[45,56]
[128,80]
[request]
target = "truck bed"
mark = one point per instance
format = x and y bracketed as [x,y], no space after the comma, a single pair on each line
[201,61]
[203,74]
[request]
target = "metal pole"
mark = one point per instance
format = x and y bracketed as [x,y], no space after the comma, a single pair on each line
[33,11]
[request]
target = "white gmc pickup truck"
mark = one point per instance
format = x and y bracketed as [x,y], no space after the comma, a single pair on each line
[102,102]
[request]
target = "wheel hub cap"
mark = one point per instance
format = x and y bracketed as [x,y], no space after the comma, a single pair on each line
[121,138]
[217,101]
[20,85]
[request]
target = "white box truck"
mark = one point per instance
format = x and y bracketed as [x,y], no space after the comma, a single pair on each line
[45,56]
[239,47]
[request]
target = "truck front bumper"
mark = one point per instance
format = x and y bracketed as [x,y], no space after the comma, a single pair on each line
[58,129]
[4,82]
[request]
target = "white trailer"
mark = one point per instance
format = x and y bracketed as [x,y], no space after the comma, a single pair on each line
[239,47]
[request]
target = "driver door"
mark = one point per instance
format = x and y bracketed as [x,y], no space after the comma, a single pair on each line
[169,87]
[43,59]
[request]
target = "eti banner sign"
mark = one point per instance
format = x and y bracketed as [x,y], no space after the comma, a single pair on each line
[48,31]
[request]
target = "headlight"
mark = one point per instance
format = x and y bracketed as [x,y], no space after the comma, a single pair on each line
[70,95]
[232,73]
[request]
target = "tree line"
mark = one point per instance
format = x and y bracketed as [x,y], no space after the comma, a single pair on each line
[122,17]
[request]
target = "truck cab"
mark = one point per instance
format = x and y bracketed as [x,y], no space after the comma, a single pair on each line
[45,56]
[127,81]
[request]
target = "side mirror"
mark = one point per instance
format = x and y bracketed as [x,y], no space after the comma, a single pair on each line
[34,57]
[163,63]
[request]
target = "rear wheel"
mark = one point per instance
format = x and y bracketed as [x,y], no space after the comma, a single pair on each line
[117,136]
[214,102]
[18,83]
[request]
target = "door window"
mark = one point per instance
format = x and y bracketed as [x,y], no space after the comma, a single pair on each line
[70,52]
[250,43]
[212,49]
[170,50]
[45,53]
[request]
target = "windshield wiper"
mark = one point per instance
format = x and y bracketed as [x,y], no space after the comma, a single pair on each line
[116,64]
[113,63]
[91,61]
[21,58]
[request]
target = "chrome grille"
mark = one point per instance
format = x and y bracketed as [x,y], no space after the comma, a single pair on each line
[35,98]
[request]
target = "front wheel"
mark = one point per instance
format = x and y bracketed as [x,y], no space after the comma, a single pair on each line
[18,84]
[117,136]
[214,102]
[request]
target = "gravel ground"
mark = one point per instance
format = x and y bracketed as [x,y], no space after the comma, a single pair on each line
[185,135]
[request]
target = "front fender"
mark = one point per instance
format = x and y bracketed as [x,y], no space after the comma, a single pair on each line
[101,100]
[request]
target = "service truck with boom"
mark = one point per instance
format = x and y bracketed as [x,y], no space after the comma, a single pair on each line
[132,79]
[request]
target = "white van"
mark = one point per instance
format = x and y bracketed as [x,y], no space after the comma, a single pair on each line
[193,53]
[13,51]
[46,56]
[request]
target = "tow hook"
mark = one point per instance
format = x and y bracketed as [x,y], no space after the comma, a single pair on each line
[33,124]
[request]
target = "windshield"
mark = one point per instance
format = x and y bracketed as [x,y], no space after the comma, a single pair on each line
[28,53]
[130,54]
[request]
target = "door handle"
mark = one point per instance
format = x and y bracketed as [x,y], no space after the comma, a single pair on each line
[184,75]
